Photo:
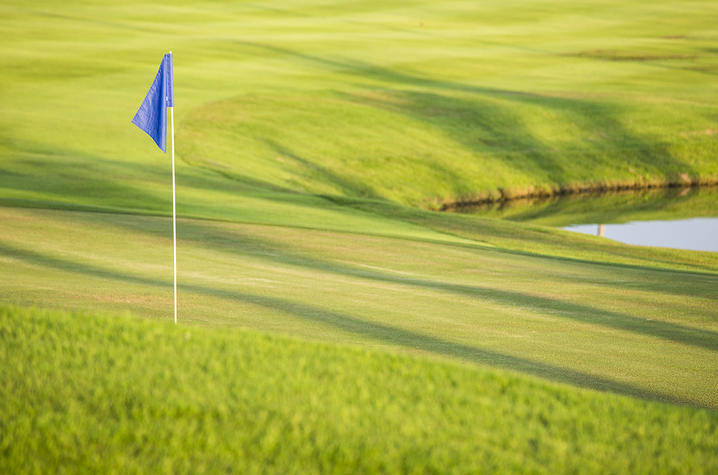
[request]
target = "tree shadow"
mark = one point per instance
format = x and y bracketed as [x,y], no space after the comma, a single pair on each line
[375,331]
[205,234]
[312,169]
[481,118]
[478,229]
[480,125]
[76,179]
[95,183]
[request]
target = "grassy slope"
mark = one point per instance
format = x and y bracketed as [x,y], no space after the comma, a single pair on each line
[359,99]
[216,401]
[506,96]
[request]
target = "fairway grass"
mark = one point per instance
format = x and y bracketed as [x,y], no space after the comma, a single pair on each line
[87,395]
[627,327]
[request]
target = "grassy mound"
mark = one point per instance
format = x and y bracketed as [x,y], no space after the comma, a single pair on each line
[99,394]
[471,102]
[437,145]
[416,102]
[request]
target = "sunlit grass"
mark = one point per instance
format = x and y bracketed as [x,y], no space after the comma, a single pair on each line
[95,393]
[634,327]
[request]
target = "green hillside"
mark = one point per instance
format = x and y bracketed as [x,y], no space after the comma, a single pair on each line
[418,102]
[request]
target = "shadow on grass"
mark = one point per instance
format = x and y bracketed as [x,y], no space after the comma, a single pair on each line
[482,120]
[482,229]
[373,330]
[101,182]
[81,179]
[325,175]
[208,235]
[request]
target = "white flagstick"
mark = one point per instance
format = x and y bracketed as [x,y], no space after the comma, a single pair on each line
[174,213]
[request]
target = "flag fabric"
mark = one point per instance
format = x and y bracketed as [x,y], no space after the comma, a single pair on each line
[152,114]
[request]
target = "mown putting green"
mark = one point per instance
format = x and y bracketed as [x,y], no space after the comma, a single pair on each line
[310,136]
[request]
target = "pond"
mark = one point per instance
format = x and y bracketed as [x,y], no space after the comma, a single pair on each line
[683,218]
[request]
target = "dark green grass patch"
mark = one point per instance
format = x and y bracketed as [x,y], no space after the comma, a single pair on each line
[96,394]
[610,207]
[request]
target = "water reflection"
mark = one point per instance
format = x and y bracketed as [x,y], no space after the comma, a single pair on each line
[682,218]
[699,234]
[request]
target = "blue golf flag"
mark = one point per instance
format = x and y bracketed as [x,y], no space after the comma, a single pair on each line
[152,114]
